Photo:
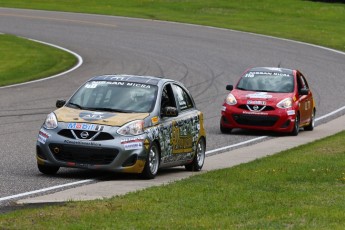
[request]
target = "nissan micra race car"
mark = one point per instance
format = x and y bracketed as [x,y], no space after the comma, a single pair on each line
[124,123]
[274,99]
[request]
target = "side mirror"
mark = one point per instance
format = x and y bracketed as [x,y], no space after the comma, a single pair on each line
[229,87]
[169,112]
[304,91]
[60,103]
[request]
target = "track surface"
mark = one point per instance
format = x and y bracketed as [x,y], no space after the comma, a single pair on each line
[204,59]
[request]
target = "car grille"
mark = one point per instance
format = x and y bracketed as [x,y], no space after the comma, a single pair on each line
[255,120]
[260,108]
[95,136]
[83,155]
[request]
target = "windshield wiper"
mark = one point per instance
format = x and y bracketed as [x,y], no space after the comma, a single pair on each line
[76,105]
[111,110]
[240,88]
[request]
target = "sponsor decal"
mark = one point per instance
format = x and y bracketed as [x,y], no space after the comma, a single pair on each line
[177,139]
[88,143]
[133,145]
[94,84]
[132,139]
[84,126]
[251,102]
[307,105]
[290,112]
[255,113]
[147,144]
[252,74]
[91,85]
[154,120]
[181,139]
[263,95]
[43,136]
[95,116]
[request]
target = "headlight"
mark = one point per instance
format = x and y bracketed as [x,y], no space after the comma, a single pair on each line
[132,128]
[285,104]
[230,99]
[50,122]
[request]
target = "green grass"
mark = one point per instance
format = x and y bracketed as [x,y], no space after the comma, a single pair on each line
[308,21]
[302,188]
[23,60]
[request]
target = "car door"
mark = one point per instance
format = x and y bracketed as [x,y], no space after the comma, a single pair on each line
[187,127]
[178,134]
[305,101]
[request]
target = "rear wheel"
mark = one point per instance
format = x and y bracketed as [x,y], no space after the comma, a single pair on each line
[152,163]
[295,130]
[311,125]
[47,169]
[199,157]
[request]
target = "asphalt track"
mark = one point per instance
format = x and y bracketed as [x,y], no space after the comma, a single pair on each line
[205,59]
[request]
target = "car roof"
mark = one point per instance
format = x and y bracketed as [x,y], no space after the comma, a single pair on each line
[271,69]
[131,78]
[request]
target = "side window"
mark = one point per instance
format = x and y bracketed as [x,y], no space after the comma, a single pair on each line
[168,99]
[183,99]
[304,82]
[300,82]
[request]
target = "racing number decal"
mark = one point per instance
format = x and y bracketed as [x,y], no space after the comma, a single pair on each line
[307,105]
[182,139]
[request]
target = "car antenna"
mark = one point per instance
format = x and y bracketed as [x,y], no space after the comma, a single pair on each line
[279,64]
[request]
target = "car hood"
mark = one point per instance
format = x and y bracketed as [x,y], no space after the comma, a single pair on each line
[261,96]
[66,114]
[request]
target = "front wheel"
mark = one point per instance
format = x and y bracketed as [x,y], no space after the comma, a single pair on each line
[295,130]
[152,163]
[311,124]
[47,169]
[224,130]
[199,157]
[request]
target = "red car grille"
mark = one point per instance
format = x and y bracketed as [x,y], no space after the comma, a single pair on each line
[258,108]
[83,155]
[255,120]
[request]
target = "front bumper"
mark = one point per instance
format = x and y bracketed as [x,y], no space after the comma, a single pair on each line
[279,120]
[114,153]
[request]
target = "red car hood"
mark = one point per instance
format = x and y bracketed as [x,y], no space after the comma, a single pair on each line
[271,98]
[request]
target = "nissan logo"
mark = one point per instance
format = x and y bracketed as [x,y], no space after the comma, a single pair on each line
[84,134]
[255,107]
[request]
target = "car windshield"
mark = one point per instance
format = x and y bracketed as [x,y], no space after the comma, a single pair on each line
[115,96]
[267,82]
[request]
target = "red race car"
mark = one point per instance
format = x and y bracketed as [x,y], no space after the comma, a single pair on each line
[273,99]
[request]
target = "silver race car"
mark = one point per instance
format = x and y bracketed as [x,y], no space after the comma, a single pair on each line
[124,123]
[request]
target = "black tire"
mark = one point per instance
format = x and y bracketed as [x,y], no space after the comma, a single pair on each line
[311,125]
[47,169]
[152,163]
[199,157]
[225,130]
[295,130]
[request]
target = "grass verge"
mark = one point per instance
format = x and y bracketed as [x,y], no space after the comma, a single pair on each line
[309,21]
[302,188]
[22,60]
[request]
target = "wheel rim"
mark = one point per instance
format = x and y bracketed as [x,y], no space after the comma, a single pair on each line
[200,154]
[153,160]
